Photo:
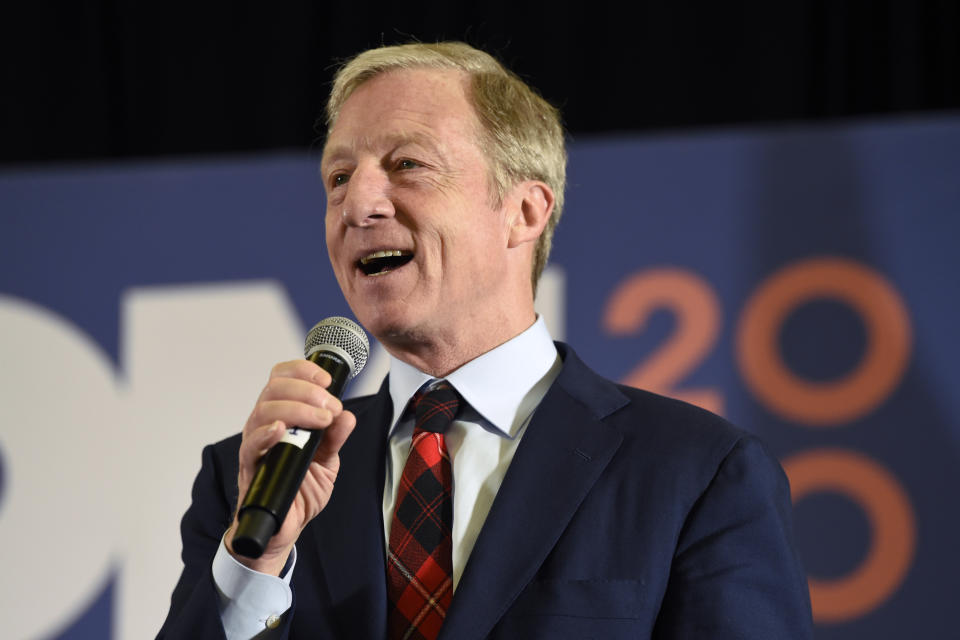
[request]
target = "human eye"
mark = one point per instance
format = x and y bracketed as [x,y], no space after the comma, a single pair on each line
[406,164]
[339,179]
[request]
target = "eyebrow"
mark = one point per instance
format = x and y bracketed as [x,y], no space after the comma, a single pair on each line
[392,141]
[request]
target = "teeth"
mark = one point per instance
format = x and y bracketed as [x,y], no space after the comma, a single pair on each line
[382,254]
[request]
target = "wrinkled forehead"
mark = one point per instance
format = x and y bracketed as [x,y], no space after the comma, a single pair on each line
[419,105]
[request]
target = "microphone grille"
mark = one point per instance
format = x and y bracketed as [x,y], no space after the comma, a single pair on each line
[342,333]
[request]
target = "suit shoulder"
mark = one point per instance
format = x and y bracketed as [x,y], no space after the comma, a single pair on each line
[676,421]
[687,438]
[677,434]
[675,414]
[643,416]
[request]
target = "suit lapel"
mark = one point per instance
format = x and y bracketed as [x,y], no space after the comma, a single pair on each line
[562,454]
[350,544]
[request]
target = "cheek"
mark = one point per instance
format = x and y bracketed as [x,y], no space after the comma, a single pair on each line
[330,217]
[332,233]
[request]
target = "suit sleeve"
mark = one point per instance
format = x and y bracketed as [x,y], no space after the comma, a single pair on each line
[736,573]
[195,603]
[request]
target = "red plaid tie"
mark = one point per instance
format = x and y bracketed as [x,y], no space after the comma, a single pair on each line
[419,562]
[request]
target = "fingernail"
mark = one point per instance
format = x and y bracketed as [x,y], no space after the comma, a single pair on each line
[330,403]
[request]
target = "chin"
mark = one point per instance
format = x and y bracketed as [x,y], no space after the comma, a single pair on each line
[384,323]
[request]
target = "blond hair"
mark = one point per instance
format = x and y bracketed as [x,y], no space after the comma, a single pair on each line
[520,132]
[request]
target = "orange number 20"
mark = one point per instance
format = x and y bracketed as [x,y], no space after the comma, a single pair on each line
[697,311]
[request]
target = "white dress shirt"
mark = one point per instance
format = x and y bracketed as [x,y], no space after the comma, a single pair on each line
[501,389]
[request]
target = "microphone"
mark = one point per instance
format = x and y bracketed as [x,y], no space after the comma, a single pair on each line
[341,348]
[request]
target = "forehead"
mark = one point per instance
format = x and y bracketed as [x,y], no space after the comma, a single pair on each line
[399,105]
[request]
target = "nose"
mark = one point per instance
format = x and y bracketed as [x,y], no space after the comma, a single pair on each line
[368,197]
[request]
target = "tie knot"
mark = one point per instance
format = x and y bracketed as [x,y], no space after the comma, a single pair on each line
[436,408]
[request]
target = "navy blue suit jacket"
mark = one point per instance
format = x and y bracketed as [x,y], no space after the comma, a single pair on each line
[623,515]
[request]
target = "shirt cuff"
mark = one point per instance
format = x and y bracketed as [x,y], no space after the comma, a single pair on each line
[251,603]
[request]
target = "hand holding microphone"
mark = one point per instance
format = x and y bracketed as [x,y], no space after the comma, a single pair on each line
[289,457]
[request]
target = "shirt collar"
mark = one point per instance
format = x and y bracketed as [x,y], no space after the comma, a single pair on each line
[495,384]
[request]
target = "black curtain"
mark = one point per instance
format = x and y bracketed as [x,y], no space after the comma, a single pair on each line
[100,79]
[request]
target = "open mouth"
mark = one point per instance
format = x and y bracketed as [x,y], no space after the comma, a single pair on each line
[381,262]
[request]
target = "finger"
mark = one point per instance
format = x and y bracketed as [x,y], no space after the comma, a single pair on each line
[257,442]
[300,390]
[317,489]
[291,413]
[302,369]
[334,437]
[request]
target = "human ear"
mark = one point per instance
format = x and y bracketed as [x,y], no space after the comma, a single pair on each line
[534,204]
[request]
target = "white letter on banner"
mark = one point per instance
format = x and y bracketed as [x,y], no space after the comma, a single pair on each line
[62,438]
[196,357]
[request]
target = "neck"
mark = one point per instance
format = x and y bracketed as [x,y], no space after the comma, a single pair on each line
[442,353]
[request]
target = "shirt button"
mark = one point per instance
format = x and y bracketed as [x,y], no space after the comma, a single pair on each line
[273,622]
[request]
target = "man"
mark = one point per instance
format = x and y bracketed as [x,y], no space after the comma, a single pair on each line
[580,508]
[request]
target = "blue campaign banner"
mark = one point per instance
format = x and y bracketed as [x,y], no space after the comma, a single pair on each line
[799,280]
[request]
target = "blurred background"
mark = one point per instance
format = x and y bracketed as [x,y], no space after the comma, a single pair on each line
[762,206]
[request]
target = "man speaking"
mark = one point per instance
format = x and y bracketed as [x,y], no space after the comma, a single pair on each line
[495,487]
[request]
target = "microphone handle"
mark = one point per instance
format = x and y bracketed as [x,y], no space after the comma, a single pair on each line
[280,473]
